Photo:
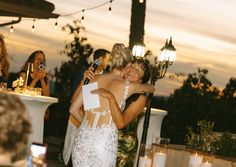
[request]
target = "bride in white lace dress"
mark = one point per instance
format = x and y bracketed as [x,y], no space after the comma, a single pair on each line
[95,144]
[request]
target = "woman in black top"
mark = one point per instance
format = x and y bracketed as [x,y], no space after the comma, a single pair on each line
[38,77]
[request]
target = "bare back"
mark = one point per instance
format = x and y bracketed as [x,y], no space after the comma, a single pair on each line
[120,88]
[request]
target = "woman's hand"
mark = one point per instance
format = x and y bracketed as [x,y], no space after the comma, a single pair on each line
[41,75]
[103,92]
[89,74]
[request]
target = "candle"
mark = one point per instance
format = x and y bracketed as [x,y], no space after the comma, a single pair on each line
[195,160]
[144,162]
[206,164]
[159,159]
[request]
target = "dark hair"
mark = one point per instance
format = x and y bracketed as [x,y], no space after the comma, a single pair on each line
[31,59]
[146,69]
[100,53]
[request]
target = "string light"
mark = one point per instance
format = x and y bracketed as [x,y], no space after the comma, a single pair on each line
[33,26]
[86,9]
[12,29]
[82,18]
[70,14]
[109,9]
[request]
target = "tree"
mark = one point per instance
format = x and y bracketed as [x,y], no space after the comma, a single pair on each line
[77,51]
[225,116]
[193,101]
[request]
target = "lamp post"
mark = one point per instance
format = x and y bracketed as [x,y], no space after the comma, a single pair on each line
[158,70]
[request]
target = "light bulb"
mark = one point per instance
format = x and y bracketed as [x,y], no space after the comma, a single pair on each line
[109,11]
[32,28]
[56,25]
[11,30]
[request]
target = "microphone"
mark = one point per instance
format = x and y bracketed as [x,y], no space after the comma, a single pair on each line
[95,66]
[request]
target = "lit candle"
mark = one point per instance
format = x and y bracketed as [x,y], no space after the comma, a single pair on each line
[206,164]
[144,162]
[195,160]
[159,159]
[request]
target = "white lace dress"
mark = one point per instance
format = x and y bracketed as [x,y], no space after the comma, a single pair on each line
[96,146]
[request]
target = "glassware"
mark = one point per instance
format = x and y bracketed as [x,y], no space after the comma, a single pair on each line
[145,158]
[195,160]
[163,141]
[159,155]
[38,91]
[3,86]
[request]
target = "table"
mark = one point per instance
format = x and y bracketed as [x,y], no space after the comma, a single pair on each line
[36,106]
[154,129]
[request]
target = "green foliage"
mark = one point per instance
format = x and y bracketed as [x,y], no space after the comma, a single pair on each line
[205,140]
[202,138]
[226,145]
[198,99]
[77,50]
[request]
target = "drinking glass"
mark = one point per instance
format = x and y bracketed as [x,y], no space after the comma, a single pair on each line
[3,86]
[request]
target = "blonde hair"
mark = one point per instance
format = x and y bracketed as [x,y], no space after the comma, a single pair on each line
[3,57]
[120,56]
[15,126]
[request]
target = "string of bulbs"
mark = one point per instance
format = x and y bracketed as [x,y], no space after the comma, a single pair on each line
[70,14]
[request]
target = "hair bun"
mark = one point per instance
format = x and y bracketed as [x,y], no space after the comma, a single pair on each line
[120,55]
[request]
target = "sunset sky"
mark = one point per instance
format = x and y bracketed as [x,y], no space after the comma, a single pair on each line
[203,33]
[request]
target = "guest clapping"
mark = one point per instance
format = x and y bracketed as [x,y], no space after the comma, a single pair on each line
[37,77]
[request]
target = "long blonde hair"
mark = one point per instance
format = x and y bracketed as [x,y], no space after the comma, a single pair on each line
[3,57]
[120,56]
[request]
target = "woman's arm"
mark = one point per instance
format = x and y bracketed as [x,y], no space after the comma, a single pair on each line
[120,118]
[76,106]
[45,87]
[87,74]
[140,88]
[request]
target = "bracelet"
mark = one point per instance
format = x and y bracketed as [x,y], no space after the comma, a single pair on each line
[145,94]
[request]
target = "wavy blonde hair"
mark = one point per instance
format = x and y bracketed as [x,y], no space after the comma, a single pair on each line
[3,57]
[120,56]
[15,125]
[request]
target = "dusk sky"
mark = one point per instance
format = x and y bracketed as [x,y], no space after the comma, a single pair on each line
[203,33]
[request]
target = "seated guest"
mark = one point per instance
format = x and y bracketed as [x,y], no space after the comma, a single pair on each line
[4,64]
[37,76]
[15,128]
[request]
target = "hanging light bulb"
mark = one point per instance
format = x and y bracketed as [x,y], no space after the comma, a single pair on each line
[33,26]
[11,29]
[109,9]
[141,1]
[82,18]
[56,24]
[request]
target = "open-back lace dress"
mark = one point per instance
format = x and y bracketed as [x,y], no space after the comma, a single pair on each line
[96,142]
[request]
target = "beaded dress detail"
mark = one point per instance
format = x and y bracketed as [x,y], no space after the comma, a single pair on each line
[96,142]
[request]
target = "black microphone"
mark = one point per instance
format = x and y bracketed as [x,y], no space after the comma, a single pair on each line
[95,66]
